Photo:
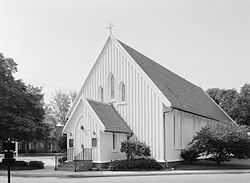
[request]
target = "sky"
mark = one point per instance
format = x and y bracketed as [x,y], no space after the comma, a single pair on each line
[56,42]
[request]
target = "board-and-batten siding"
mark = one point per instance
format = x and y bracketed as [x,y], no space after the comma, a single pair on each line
[180,127]
[142,109]
[82,116]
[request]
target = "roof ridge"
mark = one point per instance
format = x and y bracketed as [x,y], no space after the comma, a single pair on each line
[154,62]
[180,92]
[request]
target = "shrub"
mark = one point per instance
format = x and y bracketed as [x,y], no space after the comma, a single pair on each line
[63,159]
[222,142]
[190,155]
[135,148]
[36,164]
[147,164]
[32,151]
[137,164]
[21,164]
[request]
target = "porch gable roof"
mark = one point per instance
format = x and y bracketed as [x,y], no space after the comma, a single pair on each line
[110,118]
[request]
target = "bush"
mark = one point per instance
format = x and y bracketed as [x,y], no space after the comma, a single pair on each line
[137,164]
[36,164]
[135,148]
[222,142]
[21,164]
[63,159]
[32,151]
[190,155]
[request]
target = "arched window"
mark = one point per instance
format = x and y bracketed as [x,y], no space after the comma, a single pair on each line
[122,92]
[111,86]
[100,94]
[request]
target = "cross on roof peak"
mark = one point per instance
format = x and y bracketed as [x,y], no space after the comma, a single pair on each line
[110,28]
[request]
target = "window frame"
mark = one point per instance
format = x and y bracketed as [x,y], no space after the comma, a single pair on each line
[177,131]
[122,92]
[114,141]
[71,143]
[112,87]
[101,94]
[94,142]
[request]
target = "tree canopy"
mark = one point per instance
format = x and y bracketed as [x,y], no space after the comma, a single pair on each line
[244,105]
[59,105]
[235,104]
[222,142]
[21,105]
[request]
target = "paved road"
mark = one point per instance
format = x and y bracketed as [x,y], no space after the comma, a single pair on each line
[215,178]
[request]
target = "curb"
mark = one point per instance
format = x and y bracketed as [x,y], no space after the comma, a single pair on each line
[72,175]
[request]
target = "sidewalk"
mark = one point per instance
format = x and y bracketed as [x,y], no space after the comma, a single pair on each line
[49,172]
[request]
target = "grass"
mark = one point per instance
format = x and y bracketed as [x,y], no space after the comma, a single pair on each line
[39,154]
[209,165]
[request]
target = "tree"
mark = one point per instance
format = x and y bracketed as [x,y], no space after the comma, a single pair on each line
[62,143]
[244,106]
[222,142]
[56,111]
[235,104]
[60,104]
[21,106]
[226,99]
[190,155]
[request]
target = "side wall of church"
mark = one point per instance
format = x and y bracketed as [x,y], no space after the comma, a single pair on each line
[180,127]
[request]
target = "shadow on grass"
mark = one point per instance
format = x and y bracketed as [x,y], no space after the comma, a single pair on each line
[39,154]
[210,165]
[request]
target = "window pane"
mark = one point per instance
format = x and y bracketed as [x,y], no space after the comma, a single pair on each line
[94,142]
[101,94]
[112,87]
[123,92]
[114,140]
[71,142]
[177,131]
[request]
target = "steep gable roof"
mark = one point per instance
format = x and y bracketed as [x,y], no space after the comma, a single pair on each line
[112,121]
[182,94]
[78,97]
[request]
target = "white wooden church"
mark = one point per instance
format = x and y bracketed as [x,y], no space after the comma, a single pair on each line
[128,95]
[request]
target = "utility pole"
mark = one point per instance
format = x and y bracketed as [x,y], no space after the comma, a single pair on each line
[8,149]
[8,173]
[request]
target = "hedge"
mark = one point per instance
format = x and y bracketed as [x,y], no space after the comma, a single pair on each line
[137,164]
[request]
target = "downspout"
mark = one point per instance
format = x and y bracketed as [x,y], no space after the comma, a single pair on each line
[164,133]
[129,135]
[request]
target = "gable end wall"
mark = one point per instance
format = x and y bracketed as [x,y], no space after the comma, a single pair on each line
[142,109]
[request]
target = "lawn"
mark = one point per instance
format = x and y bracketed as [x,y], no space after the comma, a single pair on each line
[39,154]
[210,165]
